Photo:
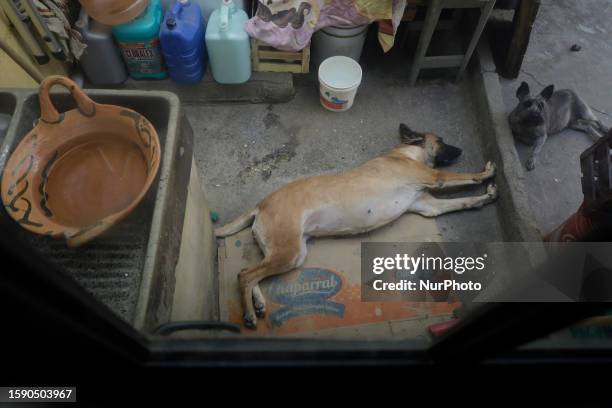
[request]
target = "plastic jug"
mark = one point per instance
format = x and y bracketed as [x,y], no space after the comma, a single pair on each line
[101,60]
[139,43]
[228,45]
[182,41]
[207,6]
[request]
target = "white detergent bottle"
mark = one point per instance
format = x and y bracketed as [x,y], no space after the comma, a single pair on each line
[228,44]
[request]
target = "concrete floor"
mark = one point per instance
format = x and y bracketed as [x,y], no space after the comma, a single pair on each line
[554,186]
[246,151]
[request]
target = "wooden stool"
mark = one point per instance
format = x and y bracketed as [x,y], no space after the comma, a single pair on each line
[429,25]
[522,23]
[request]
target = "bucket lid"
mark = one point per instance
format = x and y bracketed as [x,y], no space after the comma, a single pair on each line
[340,72]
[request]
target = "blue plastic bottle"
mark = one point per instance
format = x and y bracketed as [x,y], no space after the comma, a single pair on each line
[228,45]
[139,43]
[182,41]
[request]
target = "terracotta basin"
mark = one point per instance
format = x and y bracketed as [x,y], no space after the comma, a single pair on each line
[78,173]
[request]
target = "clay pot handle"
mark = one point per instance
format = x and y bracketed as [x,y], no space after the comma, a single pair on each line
[48,113]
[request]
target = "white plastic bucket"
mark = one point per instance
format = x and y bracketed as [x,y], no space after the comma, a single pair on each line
[339,78]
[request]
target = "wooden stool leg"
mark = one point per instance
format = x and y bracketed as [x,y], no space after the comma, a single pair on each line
[524,18]
[431,20]
[482,21]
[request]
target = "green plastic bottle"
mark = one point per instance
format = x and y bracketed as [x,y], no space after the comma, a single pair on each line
[139,43]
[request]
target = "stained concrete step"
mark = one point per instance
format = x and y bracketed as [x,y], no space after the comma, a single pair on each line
[263,87]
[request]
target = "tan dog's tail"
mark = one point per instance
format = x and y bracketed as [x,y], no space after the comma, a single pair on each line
[238,224]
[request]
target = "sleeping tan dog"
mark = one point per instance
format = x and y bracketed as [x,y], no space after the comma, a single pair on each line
[358,200]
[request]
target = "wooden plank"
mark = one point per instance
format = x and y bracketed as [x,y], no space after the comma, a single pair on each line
[254,55]
[266,48]
[459,4]
[442,61]
[482,21]
[306,60]
[522,24]
[431,20]
[279,67]
[443,24]
[280,55]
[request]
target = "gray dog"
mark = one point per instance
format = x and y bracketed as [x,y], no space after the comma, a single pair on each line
[535,118]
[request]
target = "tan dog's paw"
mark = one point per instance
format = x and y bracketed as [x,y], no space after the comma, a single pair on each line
[260,308]
[492,191]
[531,163]
[489,170]
[259,302]
[250,321]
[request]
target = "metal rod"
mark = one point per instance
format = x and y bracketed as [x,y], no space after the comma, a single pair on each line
[26,65]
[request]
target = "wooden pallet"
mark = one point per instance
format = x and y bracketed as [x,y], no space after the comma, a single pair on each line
[269,59]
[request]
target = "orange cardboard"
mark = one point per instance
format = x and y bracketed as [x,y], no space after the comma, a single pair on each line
[323,297]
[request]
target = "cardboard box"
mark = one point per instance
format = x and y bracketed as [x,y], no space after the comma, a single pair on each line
[323,297]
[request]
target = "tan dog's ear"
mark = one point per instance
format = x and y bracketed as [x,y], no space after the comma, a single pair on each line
[409,136]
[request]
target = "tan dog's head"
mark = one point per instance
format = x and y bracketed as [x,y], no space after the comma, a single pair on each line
[438,153]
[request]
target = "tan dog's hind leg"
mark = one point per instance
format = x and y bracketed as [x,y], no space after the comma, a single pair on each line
[286,252]
[445,179]
[429,206]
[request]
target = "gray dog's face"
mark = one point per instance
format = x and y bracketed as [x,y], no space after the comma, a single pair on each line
[529,113]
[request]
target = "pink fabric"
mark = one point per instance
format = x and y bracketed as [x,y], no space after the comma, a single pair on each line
[288,38]
[284,38]
[342,13]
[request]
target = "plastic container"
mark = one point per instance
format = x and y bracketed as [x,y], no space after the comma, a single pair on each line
[339,78]
[330,41]
[182,41]
[113,12]
[139,43]
[207,6]
[101,61]
[228,45]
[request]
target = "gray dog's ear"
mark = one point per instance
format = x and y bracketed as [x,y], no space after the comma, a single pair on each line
[523,91]
[409,136]
[547,92]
